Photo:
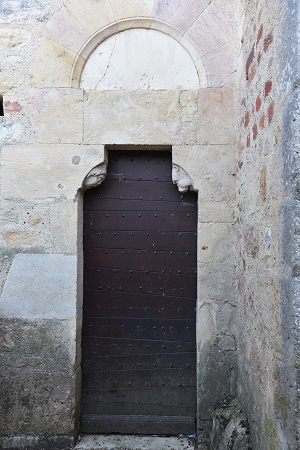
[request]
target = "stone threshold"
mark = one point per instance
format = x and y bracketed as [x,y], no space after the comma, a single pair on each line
[126,442]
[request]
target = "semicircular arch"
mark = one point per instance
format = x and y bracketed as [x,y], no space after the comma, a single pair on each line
[130,24]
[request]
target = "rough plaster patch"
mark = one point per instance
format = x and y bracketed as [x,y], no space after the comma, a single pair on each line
[22,11]
[40,286]
[140,59]
[20,238]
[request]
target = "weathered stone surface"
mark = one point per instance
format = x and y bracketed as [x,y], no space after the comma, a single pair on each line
[158,62]
[64,215]
[67,30]
[40,286]
[51,54]
[132,8]
[135,117]
[177,14]
[217,123]
[46,170]
[230,428]
[211,168]
[221,66]
[119,442]
[36,442]
[210,31]
[91,15]
[216,243]
[25,11]
[20,238]
[8,217]
[215,212]
[37,345]
[221,277]
[36,404]
[56,115]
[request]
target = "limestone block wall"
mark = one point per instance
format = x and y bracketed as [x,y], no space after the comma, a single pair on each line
[58,118]
[264,219]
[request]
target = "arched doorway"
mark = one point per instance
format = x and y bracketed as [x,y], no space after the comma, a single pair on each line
[140,290]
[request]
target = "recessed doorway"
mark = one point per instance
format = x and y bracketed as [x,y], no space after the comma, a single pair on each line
[139,308]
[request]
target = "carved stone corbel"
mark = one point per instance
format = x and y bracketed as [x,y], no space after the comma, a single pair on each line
[95,176]
[181,178]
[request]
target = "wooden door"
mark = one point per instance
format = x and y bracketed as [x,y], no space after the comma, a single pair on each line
[140,283]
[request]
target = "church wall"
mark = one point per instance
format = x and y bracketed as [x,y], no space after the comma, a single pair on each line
[264,222]
[52,134]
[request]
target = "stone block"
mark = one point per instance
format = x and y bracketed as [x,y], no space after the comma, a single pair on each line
[140,117]
[37,404]
[64,216]
[216,243]
[50,54]
[67,30]
[217,282]
[211,168]
[221,66]
[46,171]
[56,115]
[210,31]
[217,116]
[215,212]
[37,345]
[40,286]
[177,14]
[132,8]
[92,15]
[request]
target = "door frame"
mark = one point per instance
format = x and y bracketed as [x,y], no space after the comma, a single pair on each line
[179,174]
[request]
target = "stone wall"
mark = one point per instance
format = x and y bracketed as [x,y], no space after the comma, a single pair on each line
[54,131]
[265,221]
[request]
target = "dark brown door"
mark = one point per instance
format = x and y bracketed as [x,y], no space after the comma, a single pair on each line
[139,327]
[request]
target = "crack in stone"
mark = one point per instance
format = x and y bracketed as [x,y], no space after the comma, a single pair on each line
[108,64]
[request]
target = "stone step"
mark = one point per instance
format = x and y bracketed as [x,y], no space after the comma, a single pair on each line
[124,442]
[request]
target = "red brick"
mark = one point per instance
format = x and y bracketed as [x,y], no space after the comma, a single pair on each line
[268,87]
[247,119]
[12,106]
[271,112]
[268,41]
[249,61]
[260,33]
[259,57]
[248,141]
[262,121]
[252,73]
[255,132]
[258,103]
